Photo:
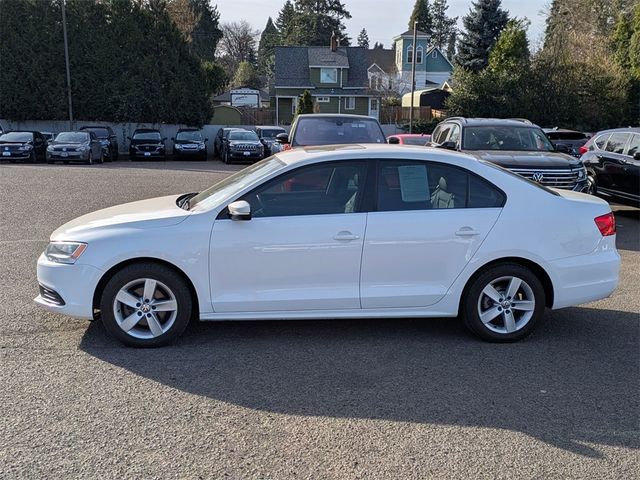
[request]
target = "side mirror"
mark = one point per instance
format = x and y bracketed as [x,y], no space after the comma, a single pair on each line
[449,145]
[240,210]
[636,156]
[393,140]
[562,148]
[282,138]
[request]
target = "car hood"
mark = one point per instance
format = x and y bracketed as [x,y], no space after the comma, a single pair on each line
[68,144]
[151,213]
[518,159]
[189,142]
[244,142]
[146,142]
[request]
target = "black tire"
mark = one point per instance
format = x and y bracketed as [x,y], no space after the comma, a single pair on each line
[474,299]
[50,162]
[90,158]
[33,158]
[101,157]
[174,281]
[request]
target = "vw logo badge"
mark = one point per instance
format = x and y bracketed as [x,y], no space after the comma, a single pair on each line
[537,177]
[64,149]
[6,149]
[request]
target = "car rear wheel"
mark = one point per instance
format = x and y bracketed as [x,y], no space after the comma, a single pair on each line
[592,188]
[146,305]
[504,303]
[90,158]
[33,158]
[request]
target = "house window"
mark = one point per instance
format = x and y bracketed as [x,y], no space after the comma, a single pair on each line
[294,105]
[434,54]
[410,54]
[328,75]
[322,99]
[350,103]
[419,54]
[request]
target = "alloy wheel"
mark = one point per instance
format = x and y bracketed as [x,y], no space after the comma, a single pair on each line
[506,304]
[145,308]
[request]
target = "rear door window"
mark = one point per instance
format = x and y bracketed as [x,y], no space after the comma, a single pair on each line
[617,142]
[634,145]
[601,141]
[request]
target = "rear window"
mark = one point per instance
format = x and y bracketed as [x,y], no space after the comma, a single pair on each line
[271,133]
[422,141]
[634,145]
[311,131]
[617,142]
[601,141]
[566,136]
[99,132]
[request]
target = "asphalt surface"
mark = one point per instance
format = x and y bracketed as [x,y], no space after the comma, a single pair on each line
[316,399]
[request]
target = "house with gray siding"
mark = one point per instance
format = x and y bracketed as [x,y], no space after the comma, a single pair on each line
[335,76]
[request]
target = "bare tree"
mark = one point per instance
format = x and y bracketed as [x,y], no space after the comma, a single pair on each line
[238,44]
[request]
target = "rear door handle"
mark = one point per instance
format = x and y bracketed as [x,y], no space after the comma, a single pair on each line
[345,236]
[467,232]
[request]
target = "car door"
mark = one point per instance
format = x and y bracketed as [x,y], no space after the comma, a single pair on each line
[430,219]
[302,248]
[629,182]
[613,162]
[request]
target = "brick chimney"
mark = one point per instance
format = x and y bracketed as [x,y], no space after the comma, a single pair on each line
[334,42]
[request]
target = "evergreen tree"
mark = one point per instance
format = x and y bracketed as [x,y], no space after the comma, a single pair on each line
[422,14]
[621,41]
[207,33]
[305,103]
[451,45]
[316,20]
[285,23]
[483,25]
[511,52]
[377,46]
[443,26]
[269,38]
[363,39]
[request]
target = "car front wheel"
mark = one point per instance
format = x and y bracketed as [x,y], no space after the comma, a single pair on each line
[503,303]
[146,305]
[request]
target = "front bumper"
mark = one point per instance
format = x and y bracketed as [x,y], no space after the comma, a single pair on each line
[243,154]
[60,156]
[74,285]
[16,156]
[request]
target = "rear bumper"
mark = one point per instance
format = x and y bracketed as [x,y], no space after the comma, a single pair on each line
[586,278]
[73,285]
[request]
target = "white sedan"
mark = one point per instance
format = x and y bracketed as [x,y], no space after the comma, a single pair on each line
[337,232]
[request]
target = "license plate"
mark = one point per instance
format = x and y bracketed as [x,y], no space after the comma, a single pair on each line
[147,154]
[246,154]
[64,154]
[6,154]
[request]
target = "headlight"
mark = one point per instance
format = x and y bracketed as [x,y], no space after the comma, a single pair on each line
[201,146]
[83,148]
[25,147]
[582,173]
[64,252]
[50,148]
[178,146]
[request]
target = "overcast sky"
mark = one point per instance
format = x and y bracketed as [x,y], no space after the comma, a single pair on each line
[383,19]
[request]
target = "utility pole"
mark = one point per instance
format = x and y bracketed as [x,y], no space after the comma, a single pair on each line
[413,72]
[66,59]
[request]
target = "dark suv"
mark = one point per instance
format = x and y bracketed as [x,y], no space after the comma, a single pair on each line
[107,138]
[517,145]
[612,159]
[147,143]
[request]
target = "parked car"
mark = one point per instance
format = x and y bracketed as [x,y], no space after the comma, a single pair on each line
[241,145]
[107,138]
[80,146]
[147,143]
[331,129]
[437,234]
[189,143]
[267,135]
[409,139]
[571,139]
[219,140]
[517,145]
[26,146]
[612,159]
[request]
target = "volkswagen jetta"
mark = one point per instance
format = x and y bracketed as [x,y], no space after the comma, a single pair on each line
[337,232]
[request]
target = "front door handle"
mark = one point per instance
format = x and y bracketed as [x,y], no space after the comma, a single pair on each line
[345,236]
[467,232]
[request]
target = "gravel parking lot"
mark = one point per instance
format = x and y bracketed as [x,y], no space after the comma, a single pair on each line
[316,399]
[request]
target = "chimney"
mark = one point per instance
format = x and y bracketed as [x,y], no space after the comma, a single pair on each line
[334,42]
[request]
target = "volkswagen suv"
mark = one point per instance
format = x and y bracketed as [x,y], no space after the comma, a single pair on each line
[517,145]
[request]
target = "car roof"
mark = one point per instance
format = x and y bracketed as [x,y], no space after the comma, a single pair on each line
[269,127]
[619,130]
[494,122]
[188,130]
[368,150]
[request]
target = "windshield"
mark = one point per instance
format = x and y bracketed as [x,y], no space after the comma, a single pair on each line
[243,136]
[16,137]
[147,136]
[72,137]
[99,132]
[271,133]
[529,139]
[193,135]
[331,131]
[227,188]
[416,140]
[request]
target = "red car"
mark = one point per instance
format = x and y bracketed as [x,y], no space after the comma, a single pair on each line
[409,139]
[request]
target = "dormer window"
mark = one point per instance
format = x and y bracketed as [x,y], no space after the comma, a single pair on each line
[328,75]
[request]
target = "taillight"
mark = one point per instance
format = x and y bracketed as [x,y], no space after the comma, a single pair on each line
[606,224]
[583,150]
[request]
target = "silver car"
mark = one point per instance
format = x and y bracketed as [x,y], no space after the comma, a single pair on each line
[76,147]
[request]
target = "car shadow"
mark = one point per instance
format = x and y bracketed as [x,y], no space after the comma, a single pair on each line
[569,384]
[628,229]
